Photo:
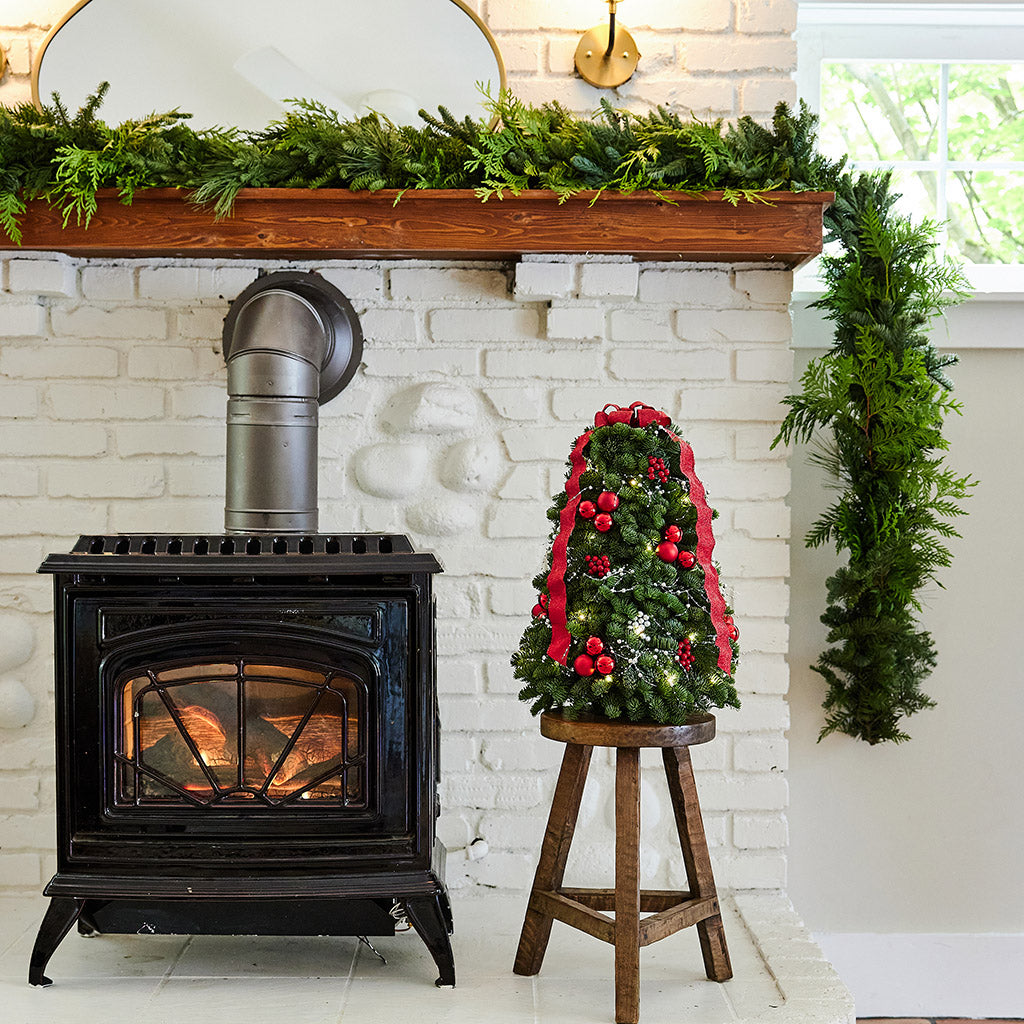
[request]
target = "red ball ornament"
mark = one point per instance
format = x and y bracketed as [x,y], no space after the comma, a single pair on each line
[588,509]
[667,551]
[605,664]
[595,645]
[539,611]
[543,600]
[687,559]
[603,522]
[673,533]
[607,501]
[584,665]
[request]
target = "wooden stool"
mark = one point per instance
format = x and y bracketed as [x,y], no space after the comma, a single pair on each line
[581,908]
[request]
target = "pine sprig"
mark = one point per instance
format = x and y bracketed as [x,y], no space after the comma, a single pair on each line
[64,158]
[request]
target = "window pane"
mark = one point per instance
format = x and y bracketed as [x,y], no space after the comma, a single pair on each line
[986,216]
[880,111]
[986,119]
[918,191]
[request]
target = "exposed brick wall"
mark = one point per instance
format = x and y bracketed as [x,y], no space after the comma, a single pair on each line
[476,378]
[714,58]
[456,431]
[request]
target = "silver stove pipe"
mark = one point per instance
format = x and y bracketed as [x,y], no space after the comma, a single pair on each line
[291,343]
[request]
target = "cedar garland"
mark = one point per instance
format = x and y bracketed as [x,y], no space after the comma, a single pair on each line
[875,405]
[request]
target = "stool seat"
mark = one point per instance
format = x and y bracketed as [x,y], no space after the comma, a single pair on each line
[596,731]
[669,910]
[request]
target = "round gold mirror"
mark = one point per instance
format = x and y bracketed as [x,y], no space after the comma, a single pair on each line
[237,62]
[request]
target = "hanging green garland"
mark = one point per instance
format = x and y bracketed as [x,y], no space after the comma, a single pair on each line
[875,402]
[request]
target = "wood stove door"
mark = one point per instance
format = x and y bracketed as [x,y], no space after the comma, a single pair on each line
[241,731]
[195,739]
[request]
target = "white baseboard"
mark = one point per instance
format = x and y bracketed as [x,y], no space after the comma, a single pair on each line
[930,975]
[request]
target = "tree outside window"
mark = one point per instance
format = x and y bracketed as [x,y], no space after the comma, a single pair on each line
[954,134]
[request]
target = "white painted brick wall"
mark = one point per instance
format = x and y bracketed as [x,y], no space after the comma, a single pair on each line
[545,280]
[143,449]
[42,277]
[24,319]
[111,418]
[575,323]
[108,283]
[609,280]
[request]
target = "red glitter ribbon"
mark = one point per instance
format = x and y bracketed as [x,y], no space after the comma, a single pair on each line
[705,545]
[560,639]
[637,415]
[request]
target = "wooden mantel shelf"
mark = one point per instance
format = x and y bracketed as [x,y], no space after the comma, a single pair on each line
[338,224]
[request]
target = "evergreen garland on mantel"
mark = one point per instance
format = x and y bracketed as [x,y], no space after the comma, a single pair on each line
[879,395]
[65,158]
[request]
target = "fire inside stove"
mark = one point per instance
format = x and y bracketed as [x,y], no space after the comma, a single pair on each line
[234,732]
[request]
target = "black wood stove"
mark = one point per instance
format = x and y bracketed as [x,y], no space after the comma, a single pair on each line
[247,730]
[247,739]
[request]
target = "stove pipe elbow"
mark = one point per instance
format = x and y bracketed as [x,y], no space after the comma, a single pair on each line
[291,342]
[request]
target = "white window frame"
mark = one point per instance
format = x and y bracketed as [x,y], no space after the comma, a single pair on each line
[954,32]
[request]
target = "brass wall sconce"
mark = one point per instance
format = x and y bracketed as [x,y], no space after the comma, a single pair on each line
[607,54]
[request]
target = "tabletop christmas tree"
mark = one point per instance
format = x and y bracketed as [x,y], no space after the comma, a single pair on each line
[630,621]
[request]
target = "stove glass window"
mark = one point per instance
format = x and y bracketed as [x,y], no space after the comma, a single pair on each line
[240,732]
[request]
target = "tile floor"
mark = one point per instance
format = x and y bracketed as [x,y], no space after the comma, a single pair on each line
[251,980]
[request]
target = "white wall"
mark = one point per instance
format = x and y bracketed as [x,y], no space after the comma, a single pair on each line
[474,382]
[111,406]
[923,840]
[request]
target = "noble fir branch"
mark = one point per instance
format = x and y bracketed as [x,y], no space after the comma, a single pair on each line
[874,406]
[66,158]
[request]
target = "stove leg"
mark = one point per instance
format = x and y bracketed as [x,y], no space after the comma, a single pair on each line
[87,925]
[60,916]
[430,916]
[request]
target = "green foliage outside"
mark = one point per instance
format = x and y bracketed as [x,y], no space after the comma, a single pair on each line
[639,607]
[892,113]
[874,404]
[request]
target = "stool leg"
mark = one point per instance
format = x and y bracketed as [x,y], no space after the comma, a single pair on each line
[690,825]
[554,852]
[627,885]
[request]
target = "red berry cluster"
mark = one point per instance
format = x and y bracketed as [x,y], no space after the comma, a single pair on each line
[656,469]
[685,655]
[598,565]
[540,609]
[733,632]
[595,660]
